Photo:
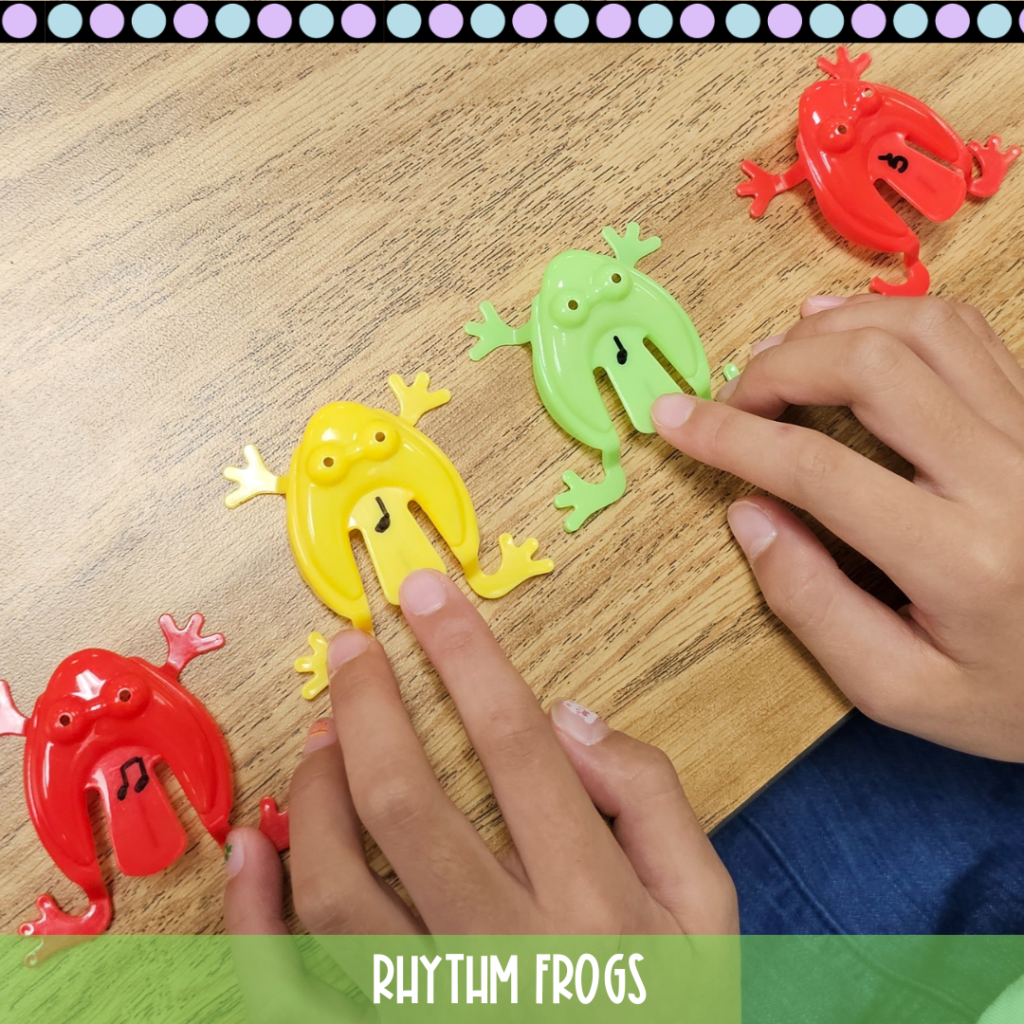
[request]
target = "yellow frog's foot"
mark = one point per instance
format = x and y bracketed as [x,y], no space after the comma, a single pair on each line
[517,566]
[314,663]
[417,399]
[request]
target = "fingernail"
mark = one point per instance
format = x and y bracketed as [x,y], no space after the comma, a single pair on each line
[348,644]
[672,411]
[321,734]
[760,346]
[816,303]
[422,592]
[725,392]
[582,724]
[234,854]
[751,527]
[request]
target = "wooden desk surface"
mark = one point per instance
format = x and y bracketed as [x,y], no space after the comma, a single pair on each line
[202,244]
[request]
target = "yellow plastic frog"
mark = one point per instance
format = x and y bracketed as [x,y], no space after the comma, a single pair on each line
[358,469]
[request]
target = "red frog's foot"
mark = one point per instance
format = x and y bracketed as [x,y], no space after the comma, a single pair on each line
[994,163]
[764,187]
[916,284]
[274,823]
[60,930]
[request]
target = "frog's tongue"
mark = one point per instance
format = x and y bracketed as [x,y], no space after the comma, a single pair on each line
[933,188]
[145,832]
[636,375]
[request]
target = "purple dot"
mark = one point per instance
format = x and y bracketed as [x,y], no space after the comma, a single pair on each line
[274,20]
[529,20]
[20,21]
[358,21]
[106,21]
[784,21]
[446,21]
[868,21]
[952,20]
[613,21]
[697,20]
[190,21]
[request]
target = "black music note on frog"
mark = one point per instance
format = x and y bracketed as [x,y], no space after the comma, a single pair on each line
[897,163]
[143,781]
[385,520]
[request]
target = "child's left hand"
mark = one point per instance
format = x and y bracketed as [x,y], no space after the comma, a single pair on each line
[556,780]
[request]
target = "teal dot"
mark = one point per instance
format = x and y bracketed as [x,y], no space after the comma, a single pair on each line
[994,21]
[910,21]
[232,21]
[827,21]
[655,21]
[742,21]
[316,21]
[149,21]
[65,21]
[571,21]
[404,21]
[487,21]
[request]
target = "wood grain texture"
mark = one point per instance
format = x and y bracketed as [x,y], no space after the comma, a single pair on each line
[202,244]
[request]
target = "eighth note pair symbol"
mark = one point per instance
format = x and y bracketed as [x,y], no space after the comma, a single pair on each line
[143,777]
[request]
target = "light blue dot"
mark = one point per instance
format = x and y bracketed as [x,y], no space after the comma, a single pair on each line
[994,21]
[571,21]
[232,21]
[827,21]
[655,21]
[487,21]
[910,21]
[404,21]
[742,21]
[149,21]
[65,21]
[316,21]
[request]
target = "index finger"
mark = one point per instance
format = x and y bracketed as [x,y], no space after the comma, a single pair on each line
[541,798]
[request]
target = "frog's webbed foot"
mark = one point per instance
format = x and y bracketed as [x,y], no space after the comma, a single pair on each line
[58,929]
[417,400]
[585,498]
[916,284]
[495,333]
[314,663]
[628,247]
[994,162]
[517,566]
[253,480]
[764,187]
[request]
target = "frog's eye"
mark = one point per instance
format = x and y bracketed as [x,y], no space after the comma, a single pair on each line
[381,441]
[617,284]
[68,724]
[869,101]
[326,465]
[126,696]
[837,136]
[569,309]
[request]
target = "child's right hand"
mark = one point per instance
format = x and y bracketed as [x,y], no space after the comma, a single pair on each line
[931,380]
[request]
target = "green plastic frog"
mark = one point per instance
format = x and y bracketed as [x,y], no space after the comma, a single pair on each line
[599,313]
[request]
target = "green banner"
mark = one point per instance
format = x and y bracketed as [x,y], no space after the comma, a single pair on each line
[306,980]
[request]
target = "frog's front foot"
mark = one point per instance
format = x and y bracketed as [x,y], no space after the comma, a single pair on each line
[517,566]
[994,162]
[314,663]
[494,333]
[586,499]
[58,929]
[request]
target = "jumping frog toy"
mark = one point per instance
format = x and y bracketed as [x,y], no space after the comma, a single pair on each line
[854,134]
[103,723]
[594,313]
[358,469]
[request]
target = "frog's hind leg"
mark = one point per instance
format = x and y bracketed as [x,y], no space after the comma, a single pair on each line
[585,499]
[517,566]
[994,162]
[918,278]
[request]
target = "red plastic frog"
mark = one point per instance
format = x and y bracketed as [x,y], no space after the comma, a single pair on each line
[103,723]
[854,134]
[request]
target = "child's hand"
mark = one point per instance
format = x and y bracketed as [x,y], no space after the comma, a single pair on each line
[933,382]
[556,780]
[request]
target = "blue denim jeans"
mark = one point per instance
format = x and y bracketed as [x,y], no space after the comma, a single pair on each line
[876,832]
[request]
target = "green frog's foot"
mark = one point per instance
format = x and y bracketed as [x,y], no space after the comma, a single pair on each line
[586,499]
[314,663]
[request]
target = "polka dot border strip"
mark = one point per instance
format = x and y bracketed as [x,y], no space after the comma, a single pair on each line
[70,21]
